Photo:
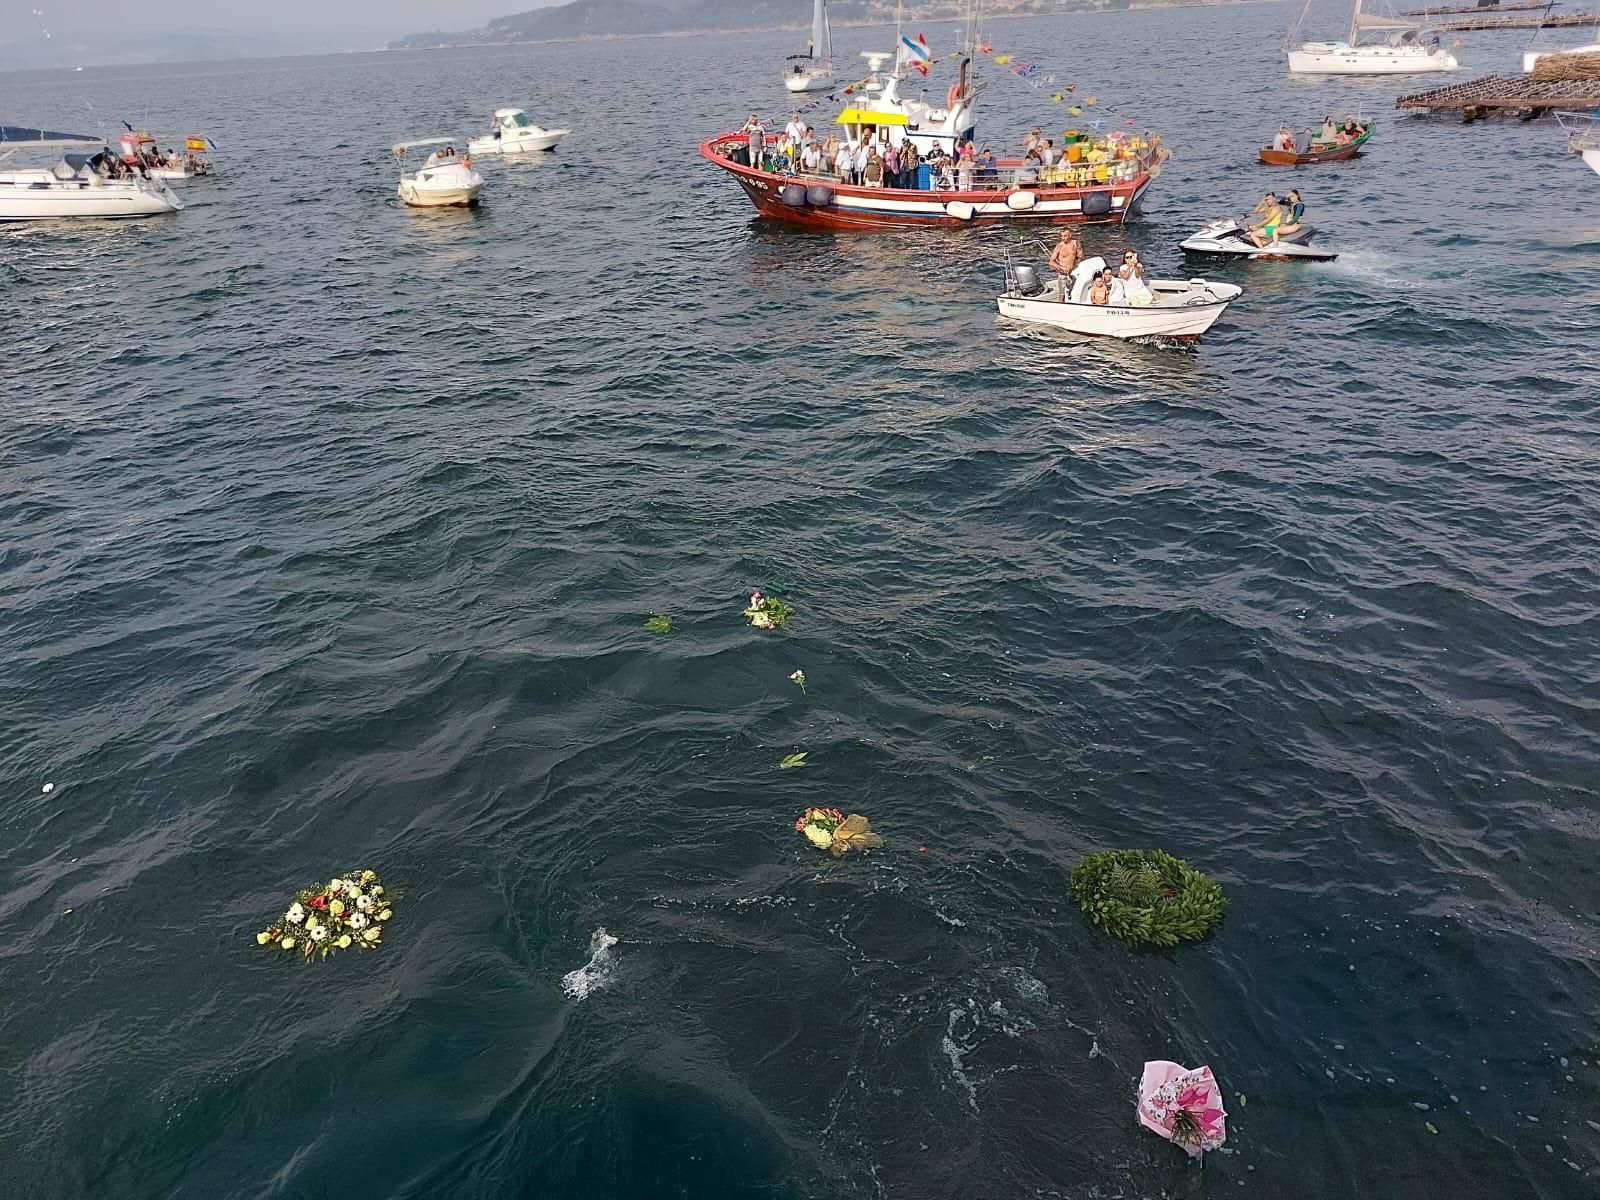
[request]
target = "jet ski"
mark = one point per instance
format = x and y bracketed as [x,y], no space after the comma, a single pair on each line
[1226,237]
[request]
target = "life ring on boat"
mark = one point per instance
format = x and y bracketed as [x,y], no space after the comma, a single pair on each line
[793,194]
[1096,204]
[819,195]
[960,210]
[953,96]
[1020,201]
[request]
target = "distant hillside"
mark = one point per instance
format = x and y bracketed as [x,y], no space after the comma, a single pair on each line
[623,18]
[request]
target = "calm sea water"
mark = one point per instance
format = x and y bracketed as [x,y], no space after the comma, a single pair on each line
[330,530]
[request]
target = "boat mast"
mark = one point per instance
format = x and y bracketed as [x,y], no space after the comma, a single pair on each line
[1355,23]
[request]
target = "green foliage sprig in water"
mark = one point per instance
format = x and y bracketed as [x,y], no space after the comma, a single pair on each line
[1146,897]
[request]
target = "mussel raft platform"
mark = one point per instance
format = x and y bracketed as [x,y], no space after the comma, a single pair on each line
[1516,95]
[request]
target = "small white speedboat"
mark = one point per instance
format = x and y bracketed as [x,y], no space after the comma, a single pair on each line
[1227,238]
[513,133]
[445,179]
[1178,309]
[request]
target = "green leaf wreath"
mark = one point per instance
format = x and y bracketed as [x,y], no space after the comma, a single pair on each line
[1146,897]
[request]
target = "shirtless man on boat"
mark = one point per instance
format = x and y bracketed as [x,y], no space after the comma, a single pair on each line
[1067,255]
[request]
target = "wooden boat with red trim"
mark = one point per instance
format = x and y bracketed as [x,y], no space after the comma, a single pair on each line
[1099,179]
[823,202]
[1316,153]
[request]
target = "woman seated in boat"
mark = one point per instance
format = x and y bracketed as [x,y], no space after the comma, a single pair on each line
[1351,129]
[1284,140]
[1134,288]
[1329,129]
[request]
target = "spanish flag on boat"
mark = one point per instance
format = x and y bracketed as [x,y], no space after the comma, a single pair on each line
[194,145]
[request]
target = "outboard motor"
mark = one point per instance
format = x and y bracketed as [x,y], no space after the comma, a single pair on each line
[1027,279]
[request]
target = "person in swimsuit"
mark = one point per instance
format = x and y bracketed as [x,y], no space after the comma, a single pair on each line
[1293,217]
[1064,258]
[1271,217]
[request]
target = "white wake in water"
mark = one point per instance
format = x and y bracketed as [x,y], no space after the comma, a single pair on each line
[595,973]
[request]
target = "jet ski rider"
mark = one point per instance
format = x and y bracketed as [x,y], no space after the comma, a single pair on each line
[1279,215]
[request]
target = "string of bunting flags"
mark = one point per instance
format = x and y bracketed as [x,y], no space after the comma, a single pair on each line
[917,55]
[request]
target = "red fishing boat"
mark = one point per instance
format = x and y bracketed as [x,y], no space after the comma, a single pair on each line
[1314,151]
[1100,178]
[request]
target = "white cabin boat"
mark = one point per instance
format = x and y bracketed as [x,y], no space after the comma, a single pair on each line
[83,184]
[1177,309]
[1376,44]
[512,132]
[445,179]
[813,70]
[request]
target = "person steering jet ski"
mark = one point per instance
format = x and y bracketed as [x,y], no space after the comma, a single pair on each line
[1279,215]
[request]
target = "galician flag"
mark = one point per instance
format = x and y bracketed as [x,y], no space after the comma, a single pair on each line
[916,53]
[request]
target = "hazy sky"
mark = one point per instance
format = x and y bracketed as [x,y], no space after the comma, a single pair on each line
[395,16]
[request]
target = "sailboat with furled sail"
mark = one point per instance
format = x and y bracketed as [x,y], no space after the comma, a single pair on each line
[813,70]
[1377,44]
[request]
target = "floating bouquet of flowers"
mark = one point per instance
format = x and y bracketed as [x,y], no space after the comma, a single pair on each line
[349,910]
[829,829]
[766,612]
[1183,1106]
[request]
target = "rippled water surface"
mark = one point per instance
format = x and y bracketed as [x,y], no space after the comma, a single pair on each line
[330,531]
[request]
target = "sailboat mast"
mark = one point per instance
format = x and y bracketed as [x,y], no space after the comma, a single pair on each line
[1355,23]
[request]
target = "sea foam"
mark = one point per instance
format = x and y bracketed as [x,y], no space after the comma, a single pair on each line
[595,973]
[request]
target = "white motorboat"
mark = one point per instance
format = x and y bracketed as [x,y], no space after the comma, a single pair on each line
[445,179]
[1227,238]
[512,133]
[139,150]
[813,70]
[1375,45]
[1583,137]
[87,182]
[1177,309]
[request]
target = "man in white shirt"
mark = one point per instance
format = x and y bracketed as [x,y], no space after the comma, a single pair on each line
[811,158]
[795,130]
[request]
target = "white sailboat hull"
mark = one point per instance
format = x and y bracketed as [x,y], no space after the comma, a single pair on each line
[812,80]
[1328,58]
[39,196]
[1592,158]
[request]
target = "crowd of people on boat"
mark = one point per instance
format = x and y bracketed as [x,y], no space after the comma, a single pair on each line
[1331,134]
[872,158]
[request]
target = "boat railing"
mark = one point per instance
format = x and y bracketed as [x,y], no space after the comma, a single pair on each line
[1073,173]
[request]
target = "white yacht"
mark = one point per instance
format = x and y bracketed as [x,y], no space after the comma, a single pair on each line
[1376,44]
[511,132]
[86,182]
[813,70]
[445,179]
